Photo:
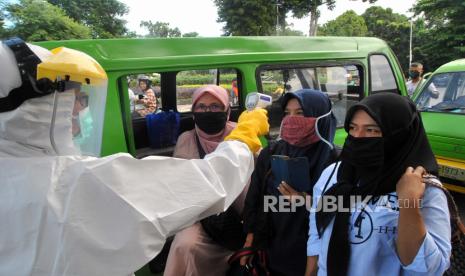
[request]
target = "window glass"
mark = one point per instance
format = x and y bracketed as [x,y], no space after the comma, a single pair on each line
[144,93]
[188,81]
[381,75]
[443,93]
[341,83]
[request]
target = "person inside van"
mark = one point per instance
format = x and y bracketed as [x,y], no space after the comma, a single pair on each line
[415,74]
[145,101]
[193,251]
[396,224]
[307,130]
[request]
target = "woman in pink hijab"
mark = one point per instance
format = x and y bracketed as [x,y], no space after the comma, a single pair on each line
[193,252]
[210,106]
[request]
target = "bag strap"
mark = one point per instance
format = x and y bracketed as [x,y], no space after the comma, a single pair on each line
[457,226]
[329,178]
[199,146]
[246,251]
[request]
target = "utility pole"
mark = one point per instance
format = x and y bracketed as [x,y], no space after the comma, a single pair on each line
[277,17]
[411,35]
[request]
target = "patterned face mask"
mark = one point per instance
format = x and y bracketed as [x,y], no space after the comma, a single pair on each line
[299,131]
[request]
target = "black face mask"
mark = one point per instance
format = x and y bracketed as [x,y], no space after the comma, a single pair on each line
[211,122]
[414,74]
[363,152]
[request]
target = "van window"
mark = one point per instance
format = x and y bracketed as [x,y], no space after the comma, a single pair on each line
[342,83]
[443,93]
[188,81]
[381,76]
[153,120]
[145,99]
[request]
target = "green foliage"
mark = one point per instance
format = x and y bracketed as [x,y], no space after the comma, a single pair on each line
[191,34]
[101,16]
[444,38]
[2,28]
[160,29]
[258,17]
[247,17]
[302,8]
[347,24]
[187,79]
[393,28]
[36,20]
[290,32]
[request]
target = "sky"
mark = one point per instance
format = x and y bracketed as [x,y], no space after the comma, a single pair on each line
[200,15]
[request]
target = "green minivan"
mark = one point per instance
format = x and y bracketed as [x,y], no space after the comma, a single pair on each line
[346,68]
[441,100]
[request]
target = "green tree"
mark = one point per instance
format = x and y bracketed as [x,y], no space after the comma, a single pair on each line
[258,17]
[191,34]
[302,8]
[347,24]
[36,20]
[160,29]
[247,17]
[288,31]
[103,17]
[2,24]
[392,27]
[444,37]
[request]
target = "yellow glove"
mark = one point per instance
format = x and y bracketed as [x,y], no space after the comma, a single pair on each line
[250,125]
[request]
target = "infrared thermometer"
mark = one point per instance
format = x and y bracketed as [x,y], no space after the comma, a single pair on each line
[257,100]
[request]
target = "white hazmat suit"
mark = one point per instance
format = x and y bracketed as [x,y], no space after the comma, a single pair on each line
[75,215]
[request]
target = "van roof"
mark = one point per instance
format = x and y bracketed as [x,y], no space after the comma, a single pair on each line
[453,66]
[137,54]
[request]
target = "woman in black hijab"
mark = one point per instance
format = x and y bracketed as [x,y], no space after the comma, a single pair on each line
[404,229]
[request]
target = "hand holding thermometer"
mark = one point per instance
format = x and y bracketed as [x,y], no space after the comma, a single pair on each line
[257,100]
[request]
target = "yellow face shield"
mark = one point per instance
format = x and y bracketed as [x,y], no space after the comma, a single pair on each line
[71,65]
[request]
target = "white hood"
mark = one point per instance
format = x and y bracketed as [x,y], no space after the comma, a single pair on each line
[25,131]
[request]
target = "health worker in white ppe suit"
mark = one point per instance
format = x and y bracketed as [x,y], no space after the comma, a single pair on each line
[63,212]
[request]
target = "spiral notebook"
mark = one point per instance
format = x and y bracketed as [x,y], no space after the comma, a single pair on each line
[293,171]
